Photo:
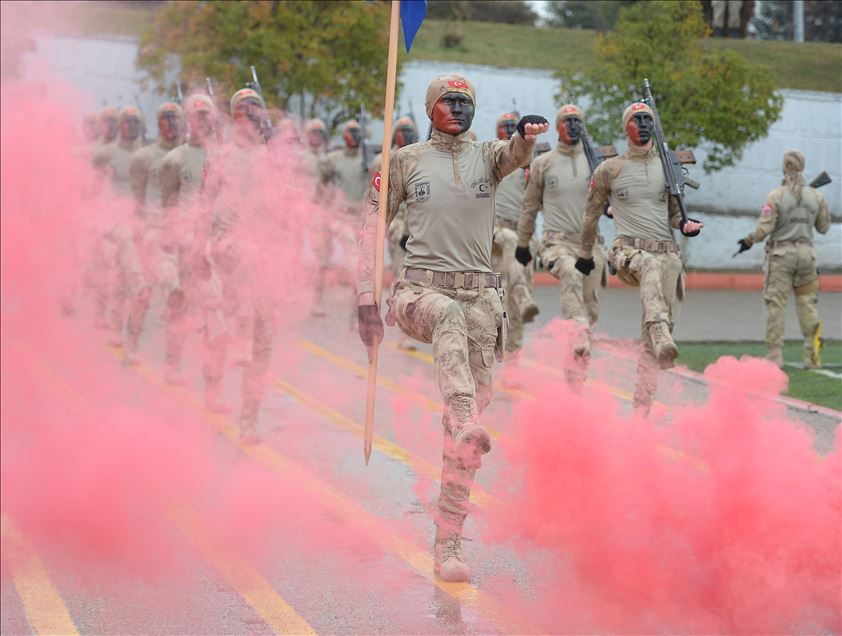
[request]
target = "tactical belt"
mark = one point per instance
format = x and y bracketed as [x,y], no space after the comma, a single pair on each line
[650,245]
[453,280]
[801,241]
[507,223]
[570,237]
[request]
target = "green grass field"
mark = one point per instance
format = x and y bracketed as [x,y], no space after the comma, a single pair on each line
[808,66]
[803,385]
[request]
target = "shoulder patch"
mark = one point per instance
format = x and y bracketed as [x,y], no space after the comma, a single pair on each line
[766,209]
[590,185]
[376,181]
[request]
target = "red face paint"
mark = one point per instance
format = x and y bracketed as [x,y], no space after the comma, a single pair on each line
[444,120]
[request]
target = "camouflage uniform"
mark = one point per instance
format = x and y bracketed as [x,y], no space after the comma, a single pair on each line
[447,294]
[788,218]
[644,252]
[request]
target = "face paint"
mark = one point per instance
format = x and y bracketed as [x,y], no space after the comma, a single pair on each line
[169,125]
[453,113]
[570,130]
[247,116]
[108,127]
[201,124]
[316,138]
[405,135]
[352,137]
[639,129]
[129,128]
[506,129]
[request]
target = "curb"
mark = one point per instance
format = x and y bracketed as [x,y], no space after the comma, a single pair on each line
[723,281]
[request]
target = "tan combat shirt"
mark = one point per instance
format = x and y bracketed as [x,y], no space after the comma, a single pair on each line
[145,176]
[116,158]
[182,174]
[344,169]
[509,197]
[788,218]
[448,184]
[639,197]
[558,185]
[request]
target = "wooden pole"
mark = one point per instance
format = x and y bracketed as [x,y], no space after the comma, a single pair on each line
[391,73]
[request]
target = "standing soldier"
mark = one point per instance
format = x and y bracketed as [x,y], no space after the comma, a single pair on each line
[644,252]
[315,133]
[397,235]
[107,126]
[788,218]
[516,278]
[115,158]
[181,183]
[558,185]
[161,265]
[447,294]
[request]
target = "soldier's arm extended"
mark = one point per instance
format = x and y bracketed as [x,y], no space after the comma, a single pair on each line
[533,200]
[368,235]
[508,156]
[823,217]
[768,220]
[169,184]
[139,177]
[600,188]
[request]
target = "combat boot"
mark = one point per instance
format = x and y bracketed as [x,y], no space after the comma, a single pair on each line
[774,355]
[663,346]
[530,312]
[447,552]
[472,442]
[811,360]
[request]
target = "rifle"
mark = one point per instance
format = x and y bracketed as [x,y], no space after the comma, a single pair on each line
[209,83]
[363,145]
[673,170]
[514,108]
[179,93]
[266,123]
[822,180]
[595,154]
[216,125]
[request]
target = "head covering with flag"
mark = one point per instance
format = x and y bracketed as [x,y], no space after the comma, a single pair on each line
[412,15]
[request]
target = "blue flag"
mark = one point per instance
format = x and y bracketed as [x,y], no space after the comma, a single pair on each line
[412,15]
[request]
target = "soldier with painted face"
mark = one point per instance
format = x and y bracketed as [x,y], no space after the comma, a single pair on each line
[787,219]
[108,128]
[115,158]
[344,168]
[181,183]
[644,251]
[447,294]
[558,185]
[517,280]
[315,139]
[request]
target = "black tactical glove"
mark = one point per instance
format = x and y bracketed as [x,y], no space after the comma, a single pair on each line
[681,227]
[585,265]
[404,239]
[523,255]
[369,325]
[529,119]
[744,245]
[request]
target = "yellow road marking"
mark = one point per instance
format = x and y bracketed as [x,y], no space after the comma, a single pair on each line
[479,496]
[248,583]
[42,603]
[420,562]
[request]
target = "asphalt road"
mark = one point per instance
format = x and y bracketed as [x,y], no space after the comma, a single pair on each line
[349,549]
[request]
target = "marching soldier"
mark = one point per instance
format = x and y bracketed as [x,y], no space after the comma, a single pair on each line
[181,183]
[344,168]
[788,218]
[644,252]
[558,185]
[516,278]
[447,294]
[161,265]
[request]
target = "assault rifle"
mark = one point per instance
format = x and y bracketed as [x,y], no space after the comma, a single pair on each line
[179,93]
[674,172]
[822,180]
[363,144]
[265,123]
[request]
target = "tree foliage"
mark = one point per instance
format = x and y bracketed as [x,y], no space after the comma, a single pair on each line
[600,15]
[505,11]
[712,100]
[333,52]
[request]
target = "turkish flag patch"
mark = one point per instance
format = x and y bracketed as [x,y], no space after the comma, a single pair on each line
[590,185]
[638,106]
[457,84]
[570,109]
[376,181]
[766,209]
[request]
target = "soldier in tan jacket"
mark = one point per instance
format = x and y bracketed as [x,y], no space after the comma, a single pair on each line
[447,293]
[644,252]
[788,218]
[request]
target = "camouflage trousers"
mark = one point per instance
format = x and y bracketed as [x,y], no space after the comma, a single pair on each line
[462,326]
[517,283]
[790,268]
[248,322]
[659,276]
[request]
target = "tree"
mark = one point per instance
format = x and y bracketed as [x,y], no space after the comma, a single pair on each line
[713,100]
[585,14]
[333,52]
[822,21]
[505,11]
